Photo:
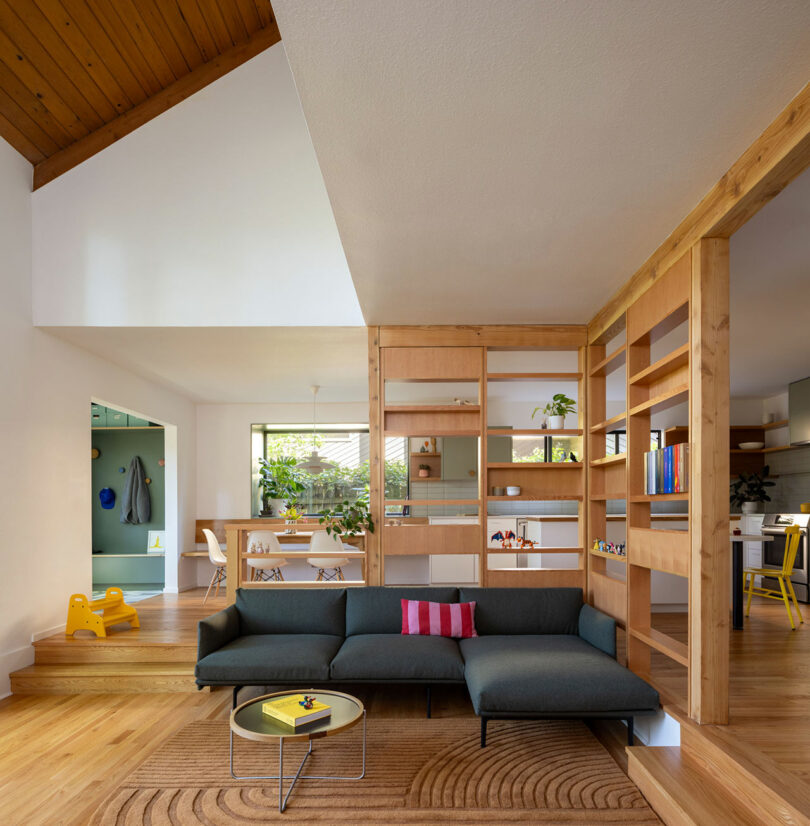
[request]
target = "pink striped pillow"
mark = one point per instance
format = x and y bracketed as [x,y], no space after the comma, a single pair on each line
[438,619]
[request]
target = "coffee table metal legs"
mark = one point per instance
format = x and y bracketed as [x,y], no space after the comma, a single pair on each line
[281,777]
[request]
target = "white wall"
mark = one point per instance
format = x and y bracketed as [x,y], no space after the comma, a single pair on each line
[45,486]
[224,453]
[214,213]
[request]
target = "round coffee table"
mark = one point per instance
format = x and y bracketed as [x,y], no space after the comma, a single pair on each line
[248,721]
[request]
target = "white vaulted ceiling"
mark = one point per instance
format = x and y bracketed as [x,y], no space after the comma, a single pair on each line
[515,161]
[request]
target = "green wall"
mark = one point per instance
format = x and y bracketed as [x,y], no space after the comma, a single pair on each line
[117,448]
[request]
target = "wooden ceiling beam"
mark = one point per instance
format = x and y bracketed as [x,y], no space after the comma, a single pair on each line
[778,156]
[186,86]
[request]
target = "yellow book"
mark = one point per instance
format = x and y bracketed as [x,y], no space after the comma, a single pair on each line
[288,710]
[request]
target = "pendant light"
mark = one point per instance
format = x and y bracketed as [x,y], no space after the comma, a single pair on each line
[313,463]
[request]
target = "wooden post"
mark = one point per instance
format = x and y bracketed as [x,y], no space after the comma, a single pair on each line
[376,444]
[709,589]
[234,563]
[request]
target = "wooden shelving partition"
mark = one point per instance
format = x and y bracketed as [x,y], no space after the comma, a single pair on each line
[460,354]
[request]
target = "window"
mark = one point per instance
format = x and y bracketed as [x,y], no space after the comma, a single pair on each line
[616,442]
[346,447]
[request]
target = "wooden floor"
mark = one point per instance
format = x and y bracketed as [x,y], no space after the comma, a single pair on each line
[61,755]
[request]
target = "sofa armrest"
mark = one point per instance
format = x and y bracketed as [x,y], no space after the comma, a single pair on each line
[598,629]
[217,630]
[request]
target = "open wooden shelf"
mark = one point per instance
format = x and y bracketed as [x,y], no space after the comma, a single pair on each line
[144,427]
[426,455]
[432,408]
[534,376]
[663,643]
[609,364]
[603,497]
[536,465]
[777,449]
[542,497]
[434,431]
[606,555]
[426,502]
[671,398]
[616,459]
[773,425]
[663,367]
[608,423]
[661,497]
[505,431]
[535,550]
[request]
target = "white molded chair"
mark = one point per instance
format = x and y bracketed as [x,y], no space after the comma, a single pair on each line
[218,560]
[328,567]
[265,542]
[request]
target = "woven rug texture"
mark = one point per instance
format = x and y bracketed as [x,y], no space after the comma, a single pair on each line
[418,772]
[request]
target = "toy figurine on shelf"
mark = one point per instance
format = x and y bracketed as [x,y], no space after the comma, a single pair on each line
[595,545]
[525,543]
[497,537]
[507,539]
[307,702]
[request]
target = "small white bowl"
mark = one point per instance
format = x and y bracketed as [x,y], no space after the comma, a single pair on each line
[751,445]
[512,490]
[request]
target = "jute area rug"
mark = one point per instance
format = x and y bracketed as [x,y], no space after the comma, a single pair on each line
[418,772]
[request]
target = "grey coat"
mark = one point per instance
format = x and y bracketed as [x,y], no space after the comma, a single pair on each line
[136,506]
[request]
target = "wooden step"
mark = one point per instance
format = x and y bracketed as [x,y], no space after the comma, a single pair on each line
[681,793]
[750,775]
[53,651]
[104,678]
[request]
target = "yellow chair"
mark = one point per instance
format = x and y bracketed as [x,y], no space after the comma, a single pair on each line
[785,585]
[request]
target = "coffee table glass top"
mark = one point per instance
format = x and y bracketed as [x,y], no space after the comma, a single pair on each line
[248,720]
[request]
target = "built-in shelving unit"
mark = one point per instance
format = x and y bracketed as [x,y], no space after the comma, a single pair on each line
[445,355]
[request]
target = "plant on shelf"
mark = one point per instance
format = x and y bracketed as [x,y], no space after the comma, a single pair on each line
[279,482]
[424,471]
[556,410]
[291,513]
[348,518]
[749,489]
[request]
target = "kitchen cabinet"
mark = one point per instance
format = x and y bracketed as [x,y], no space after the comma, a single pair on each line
[453,569]
[460,457]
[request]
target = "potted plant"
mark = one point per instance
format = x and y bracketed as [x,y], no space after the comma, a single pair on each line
[291,515]
[348,519]
[556,410]
[280,482]
[424,471]
[748,490]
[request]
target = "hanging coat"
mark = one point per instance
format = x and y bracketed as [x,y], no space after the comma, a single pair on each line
[136,506]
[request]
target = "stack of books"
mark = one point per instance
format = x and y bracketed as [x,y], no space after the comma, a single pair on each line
[296,710]
[667,470]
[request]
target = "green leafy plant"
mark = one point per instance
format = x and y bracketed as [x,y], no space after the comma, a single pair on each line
[280,479]
[424,467]
[348,518]
[560,405]
[750,487]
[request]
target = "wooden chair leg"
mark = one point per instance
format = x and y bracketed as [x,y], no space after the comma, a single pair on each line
[279,575]
[748,584]
[795,601]
[211,584]
[787,602]
[340,575]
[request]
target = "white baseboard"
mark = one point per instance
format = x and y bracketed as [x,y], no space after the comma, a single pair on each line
[657,730]
[171,590]
[12,661]
[48,632]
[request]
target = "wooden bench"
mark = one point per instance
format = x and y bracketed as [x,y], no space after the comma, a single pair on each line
[81,613]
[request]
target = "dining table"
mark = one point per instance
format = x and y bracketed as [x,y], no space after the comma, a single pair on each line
[737,540]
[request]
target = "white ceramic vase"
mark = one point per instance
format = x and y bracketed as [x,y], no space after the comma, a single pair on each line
[556,422]
[750,507]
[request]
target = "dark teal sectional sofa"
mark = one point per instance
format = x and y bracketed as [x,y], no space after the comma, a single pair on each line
[540,653]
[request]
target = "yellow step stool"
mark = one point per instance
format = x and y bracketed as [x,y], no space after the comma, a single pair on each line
[81,613]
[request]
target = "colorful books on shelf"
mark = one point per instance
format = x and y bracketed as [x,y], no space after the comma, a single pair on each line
[667,470]
[296,710]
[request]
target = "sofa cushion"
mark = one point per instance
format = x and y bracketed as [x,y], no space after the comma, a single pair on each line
[438,619]
[292,611]
[263,659]
[398,657]
[524,610]
[549,674]
[378,610]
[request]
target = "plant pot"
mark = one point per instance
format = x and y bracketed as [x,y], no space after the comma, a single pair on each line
[274,507]
[749,507]
[424,474]
[556,422]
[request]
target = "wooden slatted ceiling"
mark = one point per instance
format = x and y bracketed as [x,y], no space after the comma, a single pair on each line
[77,75]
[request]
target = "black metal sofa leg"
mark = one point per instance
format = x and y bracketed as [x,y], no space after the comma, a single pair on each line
[484,721]
[236,695]
[630,739]
[427,694]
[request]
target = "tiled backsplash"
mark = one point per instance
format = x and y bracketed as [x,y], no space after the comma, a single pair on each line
[793,485]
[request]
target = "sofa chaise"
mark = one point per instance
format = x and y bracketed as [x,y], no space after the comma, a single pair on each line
[539,653]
